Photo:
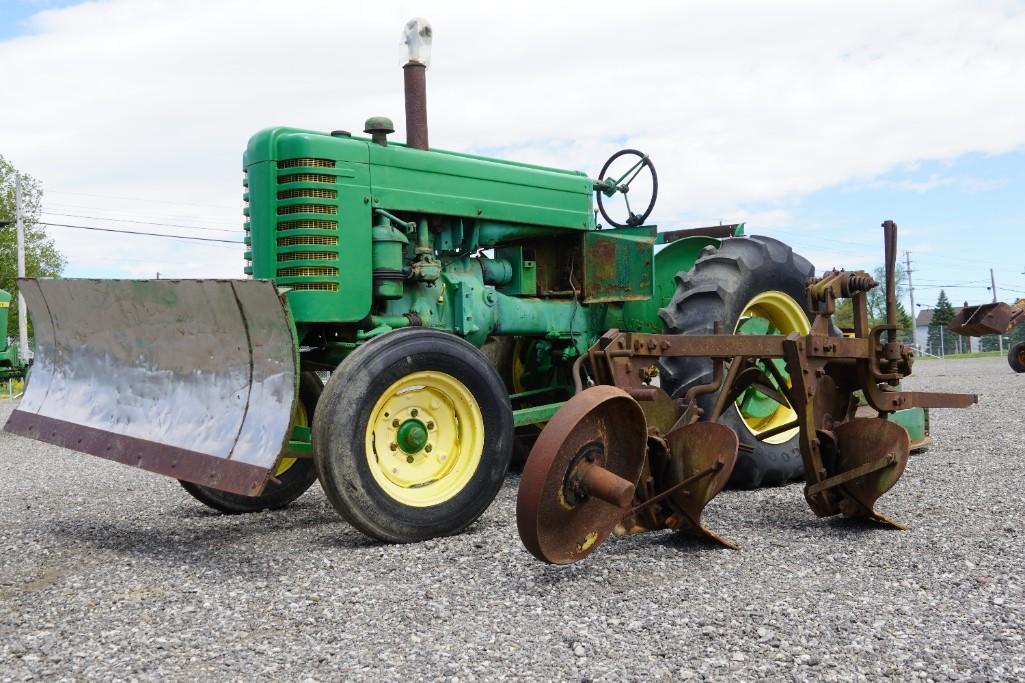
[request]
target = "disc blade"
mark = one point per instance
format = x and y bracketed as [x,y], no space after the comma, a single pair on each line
[603,423]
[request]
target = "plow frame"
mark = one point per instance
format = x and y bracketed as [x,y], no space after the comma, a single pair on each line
[825,372]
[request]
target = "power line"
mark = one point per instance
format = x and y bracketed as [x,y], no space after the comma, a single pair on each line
[133,232]
[129,220]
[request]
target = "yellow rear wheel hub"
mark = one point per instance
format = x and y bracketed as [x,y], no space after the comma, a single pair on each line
[425,438]
[771,312]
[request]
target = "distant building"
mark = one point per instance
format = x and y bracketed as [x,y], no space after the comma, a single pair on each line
[924,319]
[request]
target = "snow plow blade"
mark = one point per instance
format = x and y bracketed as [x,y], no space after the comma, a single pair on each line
[194,379]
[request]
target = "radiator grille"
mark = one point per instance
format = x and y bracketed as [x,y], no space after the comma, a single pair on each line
[308,192]
[315,286]
[306,178]
[297,240]
[308,271]
[307,256]
[307,208]
[294,163]
[246,225]
[308,224]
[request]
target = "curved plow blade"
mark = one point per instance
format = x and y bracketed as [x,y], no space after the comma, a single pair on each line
[871,456]
[194,379]
[703,455]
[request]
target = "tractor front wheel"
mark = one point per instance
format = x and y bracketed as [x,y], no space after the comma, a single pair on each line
[413,436]
[1016,357]
[295,475]
[755,285]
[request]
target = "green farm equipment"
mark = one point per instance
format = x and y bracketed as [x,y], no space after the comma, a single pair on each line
[12,366]
[459,303]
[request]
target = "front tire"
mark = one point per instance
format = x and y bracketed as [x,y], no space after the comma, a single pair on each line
[755,285]
[1016,357]
[413,436]
[296,475]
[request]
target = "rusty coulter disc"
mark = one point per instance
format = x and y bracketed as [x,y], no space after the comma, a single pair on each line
[580,477]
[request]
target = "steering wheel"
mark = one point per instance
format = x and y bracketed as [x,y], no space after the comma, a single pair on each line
[607,187]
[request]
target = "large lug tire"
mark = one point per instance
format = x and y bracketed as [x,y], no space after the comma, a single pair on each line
[745,280]
[413,436]
[296,475]
[1016,357]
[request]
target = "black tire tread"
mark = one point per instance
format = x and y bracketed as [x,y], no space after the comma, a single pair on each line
[338,433]
[711,291]
[1013,355]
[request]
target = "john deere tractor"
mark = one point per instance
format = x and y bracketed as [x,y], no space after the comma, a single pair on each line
[451,301]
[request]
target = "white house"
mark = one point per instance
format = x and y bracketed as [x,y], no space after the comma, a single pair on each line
[924,319]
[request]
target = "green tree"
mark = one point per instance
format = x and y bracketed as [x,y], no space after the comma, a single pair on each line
[943,340]
[41,256]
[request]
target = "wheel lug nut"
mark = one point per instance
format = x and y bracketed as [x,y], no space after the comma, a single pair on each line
[430,425]
[409,459]
[395,423]
[394,446]
[428,448]
[414,412]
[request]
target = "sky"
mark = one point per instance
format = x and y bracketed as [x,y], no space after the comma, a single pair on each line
[810,121]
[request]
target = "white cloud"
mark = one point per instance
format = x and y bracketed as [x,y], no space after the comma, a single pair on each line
[738,102]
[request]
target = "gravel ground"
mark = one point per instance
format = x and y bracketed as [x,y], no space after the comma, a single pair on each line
[109,573]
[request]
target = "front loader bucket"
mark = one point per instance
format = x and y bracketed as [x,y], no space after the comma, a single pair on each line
[976,321]
[194,379]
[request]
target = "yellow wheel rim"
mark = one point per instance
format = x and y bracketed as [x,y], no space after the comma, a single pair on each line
[299,419]
[771,312]
[424,439]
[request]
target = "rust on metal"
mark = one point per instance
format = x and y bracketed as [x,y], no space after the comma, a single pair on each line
[703,455]
[414,78]
[180,463]
[995,318]
[559,520]
[850,458]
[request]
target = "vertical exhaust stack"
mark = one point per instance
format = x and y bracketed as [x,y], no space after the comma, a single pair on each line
[416,36]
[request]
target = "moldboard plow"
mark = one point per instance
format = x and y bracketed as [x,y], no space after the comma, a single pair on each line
[624,456]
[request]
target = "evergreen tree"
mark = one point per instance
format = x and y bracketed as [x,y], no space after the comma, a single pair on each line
[41,256]
[942,314]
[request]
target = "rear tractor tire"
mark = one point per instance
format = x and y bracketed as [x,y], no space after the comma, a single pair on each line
[1016,357]
[296,475]
[755,285]
[413,435]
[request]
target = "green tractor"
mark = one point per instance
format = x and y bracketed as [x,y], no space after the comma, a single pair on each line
[12,366]
[449,297]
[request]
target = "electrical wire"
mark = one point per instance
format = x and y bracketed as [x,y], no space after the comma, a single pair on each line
[133,232]
[129,220]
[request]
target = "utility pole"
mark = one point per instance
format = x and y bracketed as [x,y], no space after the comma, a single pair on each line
[911,296]
[993,286]
[22,313]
